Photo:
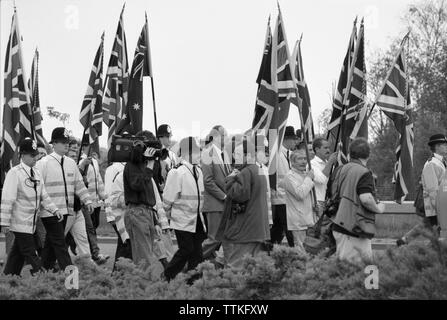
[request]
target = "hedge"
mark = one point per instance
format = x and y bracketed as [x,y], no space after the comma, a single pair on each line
[416,271]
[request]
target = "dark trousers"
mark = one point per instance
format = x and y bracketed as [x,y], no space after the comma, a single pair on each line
[55,246]
[123,249]
[279,228]
[189,251]
[95,217]
[23,249]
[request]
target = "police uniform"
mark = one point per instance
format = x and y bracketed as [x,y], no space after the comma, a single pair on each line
[182,201]
[62,181]
[23,193]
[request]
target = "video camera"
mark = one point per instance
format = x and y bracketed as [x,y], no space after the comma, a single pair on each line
[122,145]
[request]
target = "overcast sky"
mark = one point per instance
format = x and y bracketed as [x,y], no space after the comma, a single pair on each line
[205,54]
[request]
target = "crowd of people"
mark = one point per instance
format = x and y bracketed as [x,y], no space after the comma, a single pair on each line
[219,201]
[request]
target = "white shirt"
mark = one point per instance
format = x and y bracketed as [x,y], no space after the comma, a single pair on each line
[283,167]
[265,172]
[320,179]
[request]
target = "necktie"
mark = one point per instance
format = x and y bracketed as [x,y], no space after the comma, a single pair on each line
[226,166]
[194,170]
[32,173]
[288,158]
[65,182]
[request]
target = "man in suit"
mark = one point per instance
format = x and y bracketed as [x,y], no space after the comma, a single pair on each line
[216,166]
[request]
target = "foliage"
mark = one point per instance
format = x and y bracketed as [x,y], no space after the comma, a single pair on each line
[417,271]
[427,66]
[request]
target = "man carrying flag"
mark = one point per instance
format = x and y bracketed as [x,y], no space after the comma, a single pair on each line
[283,81]
[91,119]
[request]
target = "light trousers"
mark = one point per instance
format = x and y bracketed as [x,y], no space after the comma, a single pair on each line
[76,226]
[351,248]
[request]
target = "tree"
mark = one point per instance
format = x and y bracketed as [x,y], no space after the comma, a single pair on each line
[427,67]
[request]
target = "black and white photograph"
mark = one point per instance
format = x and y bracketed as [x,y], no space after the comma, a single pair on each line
[218,156]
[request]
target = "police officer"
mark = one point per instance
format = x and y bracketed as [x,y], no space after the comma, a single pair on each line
[62,180]
[23,194]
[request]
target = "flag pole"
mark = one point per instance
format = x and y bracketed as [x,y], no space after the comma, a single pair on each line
[148,61]
[303,126]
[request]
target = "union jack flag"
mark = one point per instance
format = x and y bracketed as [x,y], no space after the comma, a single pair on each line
[394,101]
[132,120]
[303,93]
[284,81]
[337,103]
[17,116]
[115,95]
[33,85]
[91,111]
[266,98]
[354,120]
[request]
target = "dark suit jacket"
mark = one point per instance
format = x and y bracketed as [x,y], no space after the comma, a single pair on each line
[214,173]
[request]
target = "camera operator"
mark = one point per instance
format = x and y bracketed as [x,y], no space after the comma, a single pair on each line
[140,218]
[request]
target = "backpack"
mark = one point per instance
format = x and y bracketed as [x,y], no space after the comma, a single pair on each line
[419,199]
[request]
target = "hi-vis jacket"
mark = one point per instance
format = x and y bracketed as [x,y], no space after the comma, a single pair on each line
[116,205]
[432,174]
[110,177]
[95,184]
[183,197]
[62,187]
[21,200]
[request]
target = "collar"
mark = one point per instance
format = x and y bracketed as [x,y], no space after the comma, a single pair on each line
[189,165]
[298,172]
[358,162]
[55,155]
[26,168]
[284,149]
[319,160]
[438,156]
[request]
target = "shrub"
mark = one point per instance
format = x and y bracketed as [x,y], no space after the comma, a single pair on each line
[417,271]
